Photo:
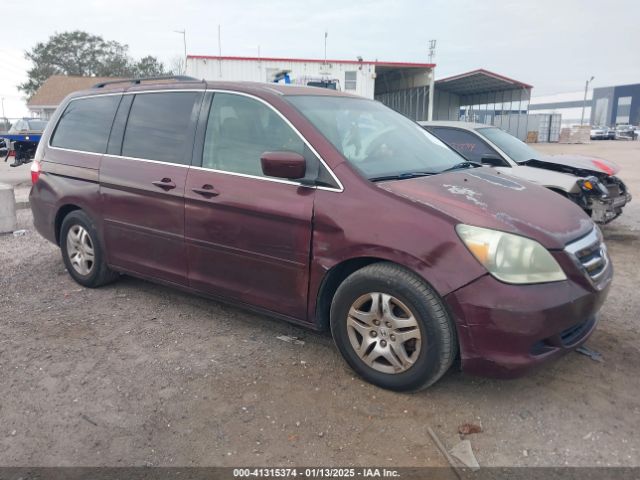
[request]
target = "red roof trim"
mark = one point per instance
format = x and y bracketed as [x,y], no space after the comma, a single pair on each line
[316,60]
[482,71]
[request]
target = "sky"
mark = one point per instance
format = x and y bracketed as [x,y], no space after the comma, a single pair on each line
[553,45]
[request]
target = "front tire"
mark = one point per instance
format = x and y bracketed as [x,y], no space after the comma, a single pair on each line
[392,328]
[82,252]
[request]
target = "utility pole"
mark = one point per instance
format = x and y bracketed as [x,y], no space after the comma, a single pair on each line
[584,102]
[326,34]
[184,41]
[432,80]
[3,116]
[219,51]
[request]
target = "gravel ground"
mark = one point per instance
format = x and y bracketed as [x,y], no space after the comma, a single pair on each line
[139,374]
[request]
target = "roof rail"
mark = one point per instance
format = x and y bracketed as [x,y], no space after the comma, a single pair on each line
[137,81]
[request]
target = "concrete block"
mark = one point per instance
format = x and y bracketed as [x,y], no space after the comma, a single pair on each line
[8,220]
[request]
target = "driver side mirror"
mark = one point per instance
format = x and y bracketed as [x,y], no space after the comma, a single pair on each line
[492,160]
[289,165]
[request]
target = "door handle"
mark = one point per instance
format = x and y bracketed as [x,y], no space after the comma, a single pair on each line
[206,191]
[165,184]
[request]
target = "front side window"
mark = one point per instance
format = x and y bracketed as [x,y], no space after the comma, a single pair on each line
[377,141]
[240,130]
[516,149]
[159,127]
[465,143]
[86,123]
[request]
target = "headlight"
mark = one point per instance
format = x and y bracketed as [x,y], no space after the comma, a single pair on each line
[591,185]
[511,258]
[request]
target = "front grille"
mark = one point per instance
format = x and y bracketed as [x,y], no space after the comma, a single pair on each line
[591,254]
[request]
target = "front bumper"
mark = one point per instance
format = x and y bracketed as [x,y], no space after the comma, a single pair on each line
[506,330]
[604,210]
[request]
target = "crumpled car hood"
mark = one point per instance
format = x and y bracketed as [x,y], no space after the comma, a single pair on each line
[593,164]
[489,199]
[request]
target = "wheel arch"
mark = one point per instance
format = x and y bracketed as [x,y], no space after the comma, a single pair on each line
[62,212]
[334,277]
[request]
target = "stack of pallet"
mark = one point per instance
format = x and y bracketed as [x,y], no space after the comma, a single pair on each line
[575,134]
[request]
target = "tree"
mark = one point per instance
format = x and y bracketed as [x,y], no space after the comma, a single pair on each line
[80,53]
[148,67]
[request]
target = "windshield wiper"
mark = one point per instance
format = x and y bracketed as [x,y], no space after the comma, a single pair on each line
[461,165]
[402,176]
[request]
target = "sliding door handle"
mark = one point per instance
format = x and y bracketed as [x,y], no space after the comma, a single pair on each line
[206,191]
[165,184]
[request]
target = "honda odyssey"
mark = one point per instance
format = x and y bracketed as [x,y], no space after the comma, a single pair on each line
[326,210]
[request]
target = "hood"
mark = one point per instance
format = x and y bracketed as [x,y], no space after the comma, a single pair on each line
[490,199]
[592,164]
[542,176]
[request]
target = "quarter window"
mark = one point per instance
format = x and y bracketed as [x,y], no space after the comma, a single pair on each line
[160,127]
[240,130]
[86,123]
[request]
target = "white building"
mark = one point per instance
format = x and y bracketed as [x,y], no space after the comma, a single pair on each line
[369,79]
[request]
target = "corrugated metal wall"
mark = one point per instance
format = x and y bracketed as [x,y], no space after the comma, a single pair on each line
[411,102]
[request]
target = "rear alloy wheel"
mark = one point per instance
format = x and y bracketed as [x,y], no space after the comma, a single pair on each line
[82,252]
[392,328]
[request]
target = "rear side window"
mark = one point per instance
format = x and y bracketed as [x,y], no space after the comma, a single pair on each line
[160,127]
[86,123]
[465,143]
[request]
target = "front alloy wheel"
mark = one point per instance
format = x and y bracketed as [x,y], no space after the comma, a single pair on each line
[392,328]
[384,332]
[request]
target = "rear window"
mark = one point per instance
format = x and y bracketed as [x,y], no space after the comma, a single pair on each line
[86,123]
[160,126]
[37,125]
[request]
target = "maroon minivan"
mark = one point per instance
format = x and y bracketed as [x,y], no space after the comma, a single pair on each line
[326,210]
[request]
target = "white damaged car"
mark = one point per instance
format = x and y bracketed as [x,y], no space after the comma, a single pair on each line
[590,182]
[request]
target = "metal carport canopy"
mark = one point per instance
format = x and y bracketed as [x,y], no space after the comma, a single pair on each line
[478,82]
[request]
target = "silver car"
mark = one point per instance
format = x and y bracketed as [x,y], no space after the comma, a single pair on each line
[590,182]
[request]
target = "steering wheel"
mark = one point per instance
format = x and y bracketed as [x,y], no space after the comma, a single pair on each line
[373,150]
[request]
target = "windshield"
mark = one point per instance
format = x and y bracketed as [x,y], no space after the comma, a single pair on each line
[514,148]
[376,140]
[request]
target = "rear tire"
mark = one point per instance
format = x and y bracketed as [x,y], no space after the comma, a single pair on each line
[82,252]
[392,328]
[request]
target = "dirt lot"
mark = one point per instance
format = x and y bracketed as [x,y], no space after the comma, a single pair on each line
[138,374]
